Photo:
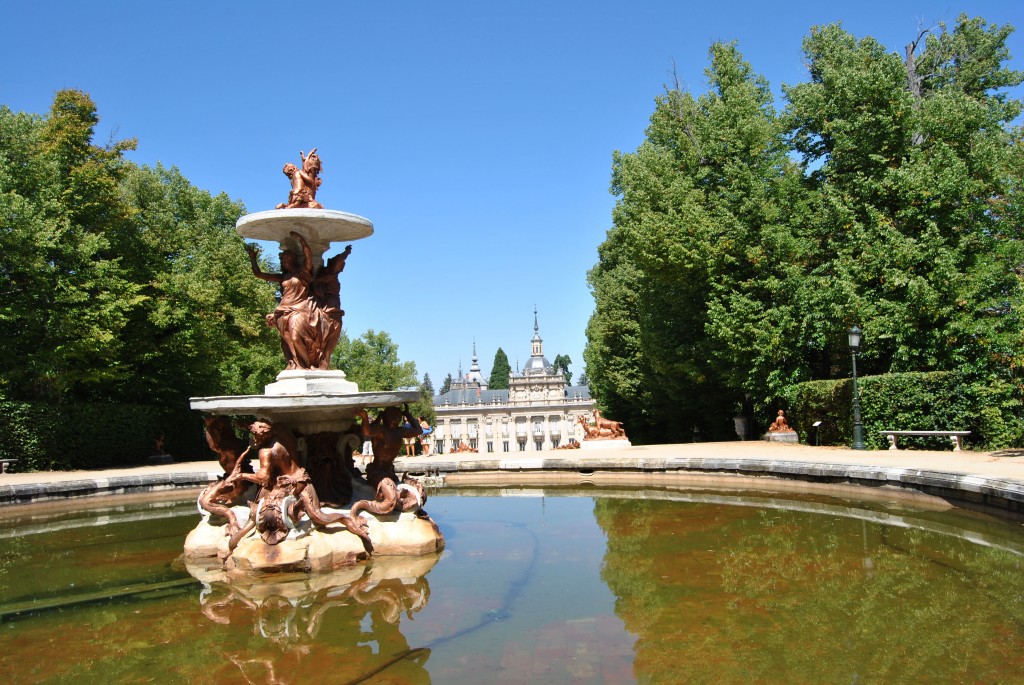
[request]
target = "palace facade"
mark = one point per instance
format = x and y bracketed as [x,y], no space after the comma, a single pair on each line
[538,411]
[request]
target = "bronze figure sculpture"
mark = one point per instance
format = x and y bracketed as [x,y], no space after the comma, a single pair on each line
[614,426]
[309,315]
[228,490]
[279,508]
[327,297]
[221,438]
[305,182]
[596,432]
[779,425]
[386,435]
[295,317]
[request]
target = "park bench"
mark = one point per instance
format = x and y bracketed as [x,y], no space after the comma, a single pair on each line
[954,436]
[4,463]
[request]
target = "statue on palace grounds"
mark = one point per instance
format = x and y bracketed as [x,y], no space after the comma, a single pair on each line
[779,425]
[614,426]
[305,182]
[221,438]
[228,490]
[386,434]
[327,297]
[392,497]
[602,429]
[309,315]
[286,490]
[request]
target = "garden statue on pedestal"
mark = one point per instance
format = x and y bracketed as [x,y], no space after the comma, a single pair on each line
[780,430]
[309,326]
[304,434]
[603,429]
[305,182]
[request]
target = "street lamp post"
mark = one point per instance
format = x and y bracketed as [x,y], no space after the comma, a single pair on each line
[854,335]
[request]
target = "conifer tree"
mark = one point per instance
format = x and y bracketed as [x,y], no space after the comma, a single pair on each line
[500,371]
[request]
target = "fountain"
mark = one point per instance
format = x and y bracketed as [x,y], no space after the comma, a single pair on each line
[307,507]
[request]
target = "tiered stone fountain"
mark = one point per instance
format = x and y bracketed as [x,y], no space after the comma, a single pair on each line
[307,507]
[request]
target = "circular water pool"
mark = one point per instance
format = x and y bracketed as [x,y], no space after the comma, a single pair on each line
[540,585]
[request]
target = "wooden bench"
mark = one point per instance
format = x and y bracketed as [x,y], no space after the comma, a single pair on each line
[4,463]
[954,436]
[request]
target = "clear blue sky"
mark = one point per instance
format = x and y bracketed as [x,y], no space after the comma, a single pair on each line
[476,136]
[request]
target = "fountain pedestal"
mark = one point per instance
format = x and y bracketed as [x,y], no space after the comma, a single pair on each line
[311,382]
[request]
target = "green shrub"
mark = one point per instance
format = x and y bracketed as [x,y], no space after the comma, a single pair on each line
[989,408]
[46,436]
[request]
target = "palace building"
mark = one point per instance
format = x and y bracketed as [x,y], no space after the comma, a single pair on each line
[538,411]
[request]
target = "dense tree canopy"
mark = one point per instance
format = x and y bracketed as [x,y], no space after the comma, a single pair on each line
[371,361]
[118,282]
[746,240]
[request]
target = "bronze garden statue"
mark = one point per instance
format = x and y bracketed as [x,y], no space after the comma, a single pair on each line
[602,429]
[288,514]
[286,491]
[305,182]
[309,315]
[779,425]
[386,434]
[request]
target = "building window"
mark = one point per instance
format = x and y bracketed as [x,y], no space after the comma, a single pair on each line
[539,442]
[490,446]
[522,445]
[555,442]
[504,446]
[439,446]
[472,443]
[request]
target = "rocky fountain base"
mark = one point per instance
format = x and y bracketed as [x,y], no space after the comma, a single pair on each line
[309,548]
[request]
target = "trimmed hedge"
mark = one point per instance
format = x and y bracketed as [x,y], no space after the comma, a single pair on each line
[44,436]
[941,400]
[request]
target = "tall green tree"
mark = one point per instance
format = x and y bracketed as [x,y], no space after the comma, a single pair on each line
[202,330]
[910,157]
[424,407]
[745,241]
[692,289]
[65,296]
[561,363]
[446,386]
[500,371]
[120,283]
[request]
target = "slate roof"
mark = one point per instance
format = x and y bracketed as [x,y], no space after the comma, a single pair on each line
[454,397]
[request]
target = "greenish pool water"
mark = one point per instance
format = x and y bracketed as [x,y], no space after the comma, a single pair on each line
[535,586]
